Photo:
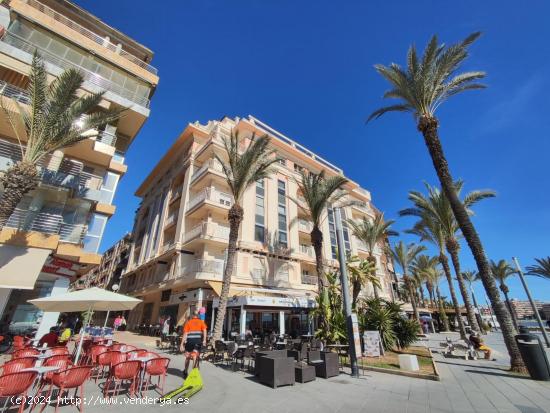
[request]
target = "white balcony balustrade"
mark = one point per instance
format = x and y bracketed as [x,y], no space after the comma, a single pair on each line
[211,164]
[212,195]
[208,230]
[305,225]
[309,279]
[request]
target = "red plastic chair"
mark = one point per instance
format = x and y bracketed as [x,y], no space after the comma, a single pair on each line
[103,362]
[156,367]
[117,346]
[17,384]
[18,343]
[15,365]
[125,371]
[71,378]
[25,352]
[59,350]
[94,351]
[117,357]
[62,362]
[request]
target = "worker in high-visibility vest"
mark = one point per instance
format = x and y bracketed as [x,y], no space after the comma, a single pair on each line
[194,338]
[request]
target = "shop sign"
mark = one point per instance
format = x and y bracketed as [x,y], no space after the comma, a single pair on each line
[58,266]
[371,344]
[262,301]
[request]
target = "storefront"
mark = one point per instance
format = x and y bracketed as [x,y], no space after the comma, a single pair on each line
[262,315]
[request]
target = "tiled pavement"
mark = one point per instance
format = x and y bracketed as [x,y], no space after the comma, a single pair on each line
[466,386]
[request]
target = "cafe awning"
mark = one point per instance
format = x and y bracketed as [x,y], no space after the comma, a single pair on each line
[20,266]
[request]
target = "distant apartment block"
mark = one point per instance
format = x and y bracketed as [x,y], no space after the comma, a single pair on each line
[181,233]
[55,232]
[523,309]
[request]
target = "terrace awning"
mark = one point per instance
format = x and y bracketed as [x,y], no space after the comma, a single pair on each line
[21,266]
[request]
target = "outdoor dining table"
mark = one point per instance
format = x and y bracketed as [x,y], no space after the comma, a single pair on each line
[338,348]
[41,370]
[143,361]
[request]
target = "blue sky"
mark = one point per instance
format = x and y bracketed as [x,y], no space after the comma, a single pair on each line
[306,68]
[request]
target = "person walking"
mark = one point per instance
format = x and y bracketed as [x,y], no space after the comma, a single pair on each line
[192,341]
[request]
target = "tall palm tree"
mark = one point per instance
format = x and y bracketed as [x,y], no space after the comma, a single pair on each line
[501,271]
[318,193]
[429,229]
[404,255]
[418,268]
[372,234]
[361,272]
[437,205]
[471,277]
[56,118]
[541,269]
[421,88]
[434,274]
[242,169]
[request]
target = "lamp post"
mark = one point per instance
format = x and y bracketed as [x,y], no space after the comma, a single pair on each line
[537,315]
[115,288]
[345,291]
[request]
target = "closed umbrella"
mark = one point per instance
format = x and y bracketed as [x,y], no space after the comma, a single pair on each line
[90,299]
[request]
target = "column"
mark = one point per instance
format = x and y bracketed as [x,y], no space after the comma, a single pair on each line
[281,322]
[243,321]
[49,319]
[213,319]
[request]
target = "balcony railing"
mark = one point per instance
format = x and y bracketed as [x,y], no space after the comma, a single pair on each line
[258,275]
[13,92]
[106,137]
[213,268]
[307,250]
[171,219]
[208,230]
[305,226]
[309,279]
[26,220]
[102,41]
[210,164]
[213,195]
[361,245]
[73,233]
[91,77]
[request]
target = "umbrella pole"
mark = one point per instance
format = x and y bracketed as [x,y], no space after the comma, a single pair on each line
[81,339]
[106,318]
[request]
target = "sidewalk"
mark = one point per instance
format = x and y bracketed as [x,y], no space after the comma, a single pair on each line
[466,386]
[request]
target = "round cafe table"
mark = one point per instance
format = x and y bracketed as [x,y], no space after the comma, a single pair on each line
[143,361]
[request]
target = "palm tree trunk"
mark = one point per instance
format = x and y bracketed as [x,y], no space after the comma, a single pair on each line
[428,126]
[356,289]
[17,181]
[447,270]
[421,291]
[372,259]
[235,217]
[317,242]
[452,247]
[511,309]
[442,314]
[408,282]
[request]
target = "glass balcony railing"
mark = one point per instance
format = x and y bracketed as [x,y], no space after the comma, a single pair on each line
[102,41]
[89,76]
[14,92]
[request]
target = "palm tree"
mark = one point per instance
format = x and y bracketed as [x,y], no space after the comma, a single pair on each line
[418,268]
[429,229]
[471,277]
[242,169]
[437,205]
[421,89]
[372,234]
[360,272]
[319,192]
[55,119]
[541,269]
[501,271]
[405,255]
[433,274]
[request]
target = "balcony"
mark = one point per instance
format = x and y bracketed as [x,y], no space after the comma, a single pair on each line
[362,207]
[205,269]
[176,194]
[208,231]
[259,275]
[305,226]
[102,41]
[210,196]
[91,77]
[309,279]
[307,250]
[361,246]
[107,138]
[13,92]
[171,219]
[212,165]
[47,223]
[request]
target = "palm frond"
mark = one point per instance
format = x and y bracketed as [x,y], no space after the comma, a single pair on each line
[541,269]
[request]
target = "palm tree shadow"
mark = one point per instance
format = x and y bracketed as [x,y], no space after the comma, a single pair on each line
[18,238]
[503,374]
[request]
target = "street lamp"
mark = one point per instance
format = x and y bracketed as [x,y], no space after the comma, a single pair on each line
[115,288]
[345,293]
[537,315]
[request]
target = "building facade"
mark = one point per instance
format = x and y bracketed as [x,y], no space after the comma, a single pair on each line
[181,233]
[108,272]
[55,232]
[523,309]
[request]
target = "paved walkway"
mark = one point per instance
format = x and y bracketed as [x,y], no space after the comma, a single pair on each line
[466,386]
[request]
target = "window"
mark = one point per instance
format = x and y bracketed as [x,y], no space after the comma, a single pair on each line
[95,232]
[281,198]
[259,228]
[165,295]
[110,182]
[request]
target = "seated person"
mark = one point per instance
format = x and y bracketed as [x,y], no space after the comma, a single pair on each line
[50,339]
[65,335]
[477,342]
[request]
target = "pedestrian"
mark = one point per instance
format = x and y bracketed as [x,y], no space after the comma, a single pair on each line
[194,338]
[117,322]
[166,326]
[122,323]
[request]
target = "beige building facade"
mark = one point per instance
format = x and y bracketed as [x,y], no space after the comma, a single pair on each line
[56,230]
[181,233]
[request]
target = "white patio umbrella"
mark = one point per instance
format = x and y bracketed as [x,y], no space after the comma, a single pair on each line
[89,299]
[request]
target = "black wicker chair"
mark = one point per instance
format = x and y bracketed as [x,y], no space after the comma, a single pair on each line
[277,371]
